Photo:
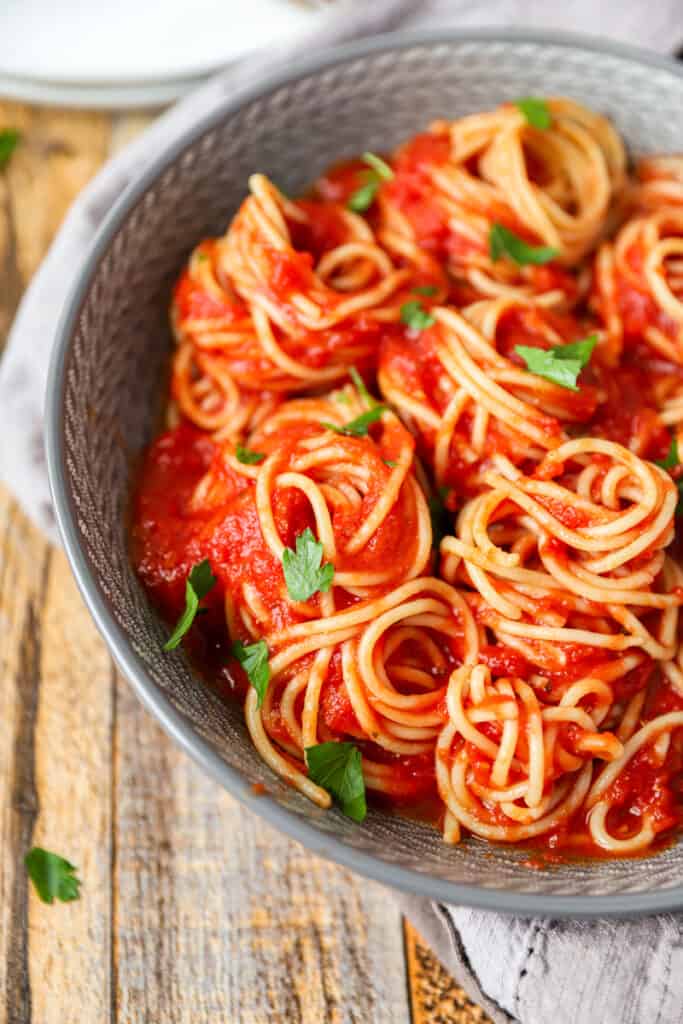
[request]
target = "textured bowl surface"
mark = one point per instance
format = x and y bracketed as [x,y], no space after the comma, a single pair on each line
[104,398]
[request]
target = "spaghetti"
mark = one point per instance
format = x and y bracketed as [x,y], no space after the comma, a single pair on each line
[462,596]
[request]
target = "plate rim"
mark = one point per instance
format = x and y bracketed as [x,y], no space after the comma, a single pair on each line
[133,96]
[297,19]
[132,666]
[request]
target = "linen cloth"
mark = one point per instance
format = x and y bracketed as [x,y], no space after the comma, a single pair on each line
[531,971]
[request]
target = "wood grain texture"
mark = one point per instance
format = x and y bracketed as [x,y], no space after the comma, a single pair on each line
[192,910]
[58,154]
[24,560]
[73,777]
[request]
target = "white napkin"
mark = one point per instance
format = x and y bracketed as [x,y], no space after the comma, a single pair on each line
[540,971]
[532,971]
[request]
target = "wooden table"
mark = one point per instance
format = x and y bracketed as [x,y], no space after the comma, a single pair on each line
[192,910]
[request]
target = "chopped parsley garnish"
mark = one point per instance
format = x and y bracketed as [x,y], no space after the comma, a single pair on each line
[424,289]
[304,573]
[561,364]
[503,242]
[363,198]
[439,516]
[247,456]
[390,463]
[254,660]
[338,768]
[53,877]
[416,316]
[9,140]
[198,584]
[378,165]
[359,426]
[535,111]
[360,387]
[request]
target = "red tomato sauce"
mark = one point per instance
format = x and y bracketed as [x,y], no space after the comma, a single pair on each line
[172,532]
[637,307]
[626,414]
[192,301]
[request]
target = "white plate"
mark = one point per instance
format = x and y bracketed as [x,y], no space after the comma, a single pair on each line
[129,53]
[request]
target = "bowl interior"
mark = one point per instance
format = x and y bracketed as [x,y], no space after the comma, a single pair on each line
[116,344]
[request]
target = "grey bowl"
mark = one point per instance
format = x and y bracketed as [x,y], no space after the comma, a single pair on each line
[112,348]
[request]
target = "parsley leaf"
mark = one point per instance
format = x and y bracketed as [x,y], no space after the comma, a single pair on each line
[198,584]
[424,289]
[247,456]
[52,876]
[360,387]
[364,197]
[438,514]
[390,463]
[503,242]
[671,459]
[359,426]
[254,660]
[535,111]
[304,573]
[378,165]
[9,140]
[561,364]
[338,768]
[416,316]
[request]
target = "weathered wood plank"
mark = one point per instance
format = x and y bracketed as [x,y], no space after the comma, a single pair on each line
[23,562]
[218,918]
[58,154]
[69,945]
[55,783]
[55,676]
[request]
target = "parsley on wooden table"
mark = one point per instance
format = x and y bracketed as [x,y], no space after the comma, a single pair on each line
[305,574]
[254,660]
[9,140]
[535,111]
[363,198]
[198,584]
[338,768]
[561,364]
[503,242]
[52,875]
